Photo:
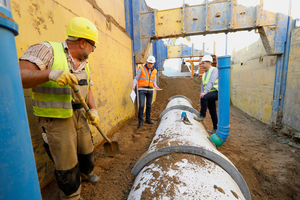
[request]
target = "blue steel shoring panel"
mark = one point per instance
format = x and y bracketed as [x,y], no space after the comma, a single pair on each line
[147,24]
[281,33]
[128,17]
[286,61]
[217,20]
[277,84]
[186,51]
[161,54]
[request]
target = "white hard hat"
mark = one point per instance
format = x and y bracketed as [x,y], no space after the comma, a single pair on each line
[207,58]
[151,59]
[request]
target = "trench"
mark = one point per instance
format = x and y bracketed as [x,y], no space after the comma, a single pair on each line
[250,146]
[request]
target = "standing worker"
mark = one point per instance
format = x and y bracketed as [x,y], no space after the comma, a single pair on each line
[209,92]
[145,78]
[48,68]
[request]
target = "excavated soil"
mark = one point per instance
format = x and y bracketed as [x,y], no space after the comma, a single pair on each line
[270,168]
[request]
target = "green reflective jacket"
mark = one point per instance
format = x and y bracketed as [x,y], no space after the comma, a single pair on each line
[205,80]
[50,99]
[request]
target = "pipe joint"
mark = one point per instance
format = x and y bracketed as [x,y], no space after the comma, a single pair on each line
[223,132]
[9,24]
[216,140]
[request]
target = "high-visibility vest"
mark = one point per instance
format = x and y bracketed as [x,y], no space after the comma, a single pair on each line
[205,80]
[145,80]
[50,99]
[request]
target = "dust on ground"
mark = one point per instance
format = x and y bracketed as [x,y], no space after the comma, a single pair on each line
[270,168]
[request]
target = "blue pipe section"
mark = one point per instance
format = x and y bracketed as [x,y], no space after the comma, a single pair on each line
[224,101]
[18,172]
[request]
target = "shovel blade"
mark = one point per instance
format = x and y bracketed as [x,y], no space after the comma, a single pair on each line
[111,149]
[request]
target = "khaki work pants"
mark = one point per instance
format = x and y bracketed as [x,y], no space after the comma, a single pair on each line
[72,151]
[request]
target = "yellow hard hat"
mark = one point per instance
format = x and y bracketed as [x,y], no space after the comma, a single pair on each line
[82,28]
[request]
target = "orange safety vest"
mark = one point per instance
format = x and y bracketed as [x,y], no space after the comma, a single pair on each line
[145,80]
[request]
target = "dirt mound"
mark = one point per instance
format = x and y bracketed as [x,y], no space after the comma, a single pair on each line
[271,169]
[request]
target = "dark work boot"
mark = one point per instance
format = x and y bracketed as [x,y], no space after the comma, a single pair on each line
[93,179]
[140,125]
[149,122]
[212,131]
[199,119]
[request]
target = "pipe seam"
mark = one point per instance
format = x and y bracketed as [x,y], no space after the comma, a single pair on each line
[182,107]
[222,162]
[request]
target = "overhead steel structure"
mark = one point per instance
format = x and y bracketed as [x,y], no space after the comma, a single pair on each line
[146,25]
[149,25]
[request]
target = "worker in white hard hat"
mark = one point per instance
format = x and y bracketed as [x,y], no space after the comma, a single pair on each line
[145,78]
[59,114]
[209,92]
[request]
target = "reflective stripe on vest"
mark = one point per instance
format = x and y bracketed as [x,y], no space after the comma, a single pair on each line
[205,80]
[145,80]
[50,99]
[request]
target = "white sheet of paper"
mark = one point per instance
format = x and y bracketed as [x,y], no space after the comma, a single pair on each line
[132,95]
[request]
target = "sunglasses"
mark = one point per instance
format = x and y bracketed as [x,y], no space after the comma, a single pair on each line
[91,44]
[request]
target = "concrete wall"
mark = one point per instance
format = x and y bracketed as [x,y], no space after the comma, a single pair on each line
[111,63]
[291,106]
[252,81]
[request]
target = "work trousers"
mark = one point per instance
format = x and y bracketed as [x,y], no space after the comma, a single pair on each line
[144,94]
[71,149]
[209,101]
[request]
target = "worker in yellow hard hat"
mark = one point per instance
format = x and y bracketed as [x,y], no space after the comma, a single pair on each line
[59,115]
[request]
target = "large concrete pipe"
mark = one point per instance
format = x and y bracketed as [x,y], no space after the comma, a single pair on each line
[183,163]
[18,173]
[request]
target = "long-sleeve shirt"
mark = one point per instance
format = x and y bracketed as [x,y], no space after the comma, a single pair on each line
[210,84]
[137,76]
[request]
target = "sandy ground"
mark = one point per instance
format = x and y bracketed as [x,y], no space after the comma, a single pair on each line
[270,167]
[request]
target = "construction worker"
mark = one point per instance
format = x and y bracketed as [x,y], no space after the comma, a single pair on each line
[59,114]
[209,92]
[145,78]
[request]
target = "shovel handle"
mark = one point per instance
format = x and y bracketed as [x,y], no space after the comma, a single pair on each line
[77,93]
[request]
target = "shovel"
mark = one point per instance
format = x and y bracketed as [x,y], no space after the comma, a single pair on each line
[111,148]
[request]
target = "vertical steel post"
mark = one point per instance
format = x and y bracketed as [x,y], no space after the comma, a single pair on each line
[18,173]
[223,101]
[286,57]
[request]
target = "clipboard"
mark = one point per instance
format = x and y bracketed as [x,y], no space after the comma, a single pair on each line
[132,96]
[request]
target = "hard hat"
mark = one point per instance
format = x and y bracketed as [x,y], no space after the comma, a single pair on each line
[151,59]
[207,58]
[82,28]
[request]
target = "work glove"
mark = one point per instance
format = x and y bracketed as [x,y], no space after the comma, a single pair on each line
[94,118]
[62,77]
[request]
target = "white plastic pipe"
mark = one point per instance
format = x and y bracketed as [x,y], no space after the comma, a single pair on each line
[182,162]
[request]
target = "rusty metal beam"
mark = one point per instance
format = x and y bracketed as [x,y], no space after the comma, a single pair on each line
[210,17]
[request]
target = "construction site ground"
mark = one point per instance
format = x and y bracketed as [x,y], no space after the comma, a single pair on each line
[269,164]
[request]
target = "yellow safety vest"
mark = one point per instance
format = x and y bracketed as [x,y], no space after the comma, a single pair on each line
[205,80]
[50,99]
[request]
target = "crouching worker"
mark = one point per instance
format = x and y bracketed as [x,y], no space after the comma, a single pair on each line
[49,68]
[145,78]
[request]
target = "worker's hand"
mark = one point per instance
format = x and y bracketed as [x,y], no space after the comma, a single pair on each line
[62,77]
[94,119]
[133,87]
[156,87]
[202,95]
